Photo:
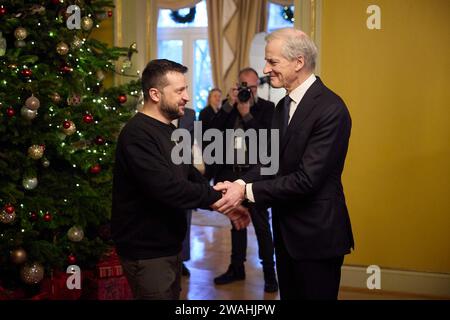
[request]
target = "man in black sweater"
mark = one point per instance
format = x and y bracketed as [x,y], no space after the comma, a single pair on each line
[151,193]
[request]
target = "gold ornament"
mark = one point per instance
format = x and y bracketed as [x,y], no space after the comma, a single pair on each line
[86,23]
[33,103]
[20,33]
[76,43]
[71,129]
[56,98]
[28,113]
[18,256]
[35,152]
[7,218]
[30,183]
[75,234]
[32,273]
[62,48]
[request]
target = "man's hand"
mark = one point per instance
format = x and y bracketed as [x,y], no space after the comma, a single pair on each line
[240,217]
[232,95]
[233,195]
[243,108]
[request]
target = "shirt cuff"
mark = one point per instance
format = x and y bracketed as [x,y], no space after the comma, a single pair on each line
[249,192]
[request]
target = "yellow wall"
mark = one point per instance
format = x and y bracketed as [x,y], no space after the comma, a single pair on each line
[396,84]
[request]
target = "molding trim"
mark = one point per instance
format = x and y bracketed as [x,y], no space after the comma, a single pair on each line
[417,283]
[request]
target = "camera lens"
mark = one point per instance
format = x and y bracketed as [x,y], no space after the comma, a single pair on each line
[244,92]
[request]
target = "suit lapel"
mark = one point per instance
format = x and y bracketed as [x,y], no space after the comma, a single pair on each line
[305,107]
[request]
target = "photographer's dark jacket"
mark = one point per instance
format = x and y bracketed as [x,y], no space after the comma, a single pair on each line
[151,193]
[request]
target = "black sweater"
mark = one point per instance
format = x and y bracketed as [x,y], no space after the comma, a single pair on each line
[150,192]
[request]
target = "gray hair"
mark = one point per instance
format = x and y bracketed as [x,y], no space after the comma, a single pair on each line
[296,43]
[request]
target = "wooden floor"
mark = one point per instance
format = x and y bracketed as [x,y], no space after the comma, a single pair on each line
[210,256]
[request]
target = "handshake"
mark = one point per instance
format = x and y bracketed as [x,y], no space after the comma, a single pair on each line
[233,193]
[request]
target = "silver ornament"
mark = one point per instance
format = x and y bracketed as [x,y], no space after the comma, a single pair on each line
[7,218]
[20,33]
[28,113]
[86,23]
[30,183]
[76,43]
[32,273]
[75,234]
[45,163]
[33,103]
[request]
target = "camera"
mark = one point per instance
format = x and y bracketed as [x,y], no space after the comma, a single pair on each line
[244,92]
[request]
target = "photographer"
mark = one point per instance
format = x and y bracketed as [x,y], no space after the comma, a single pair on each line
[243,109]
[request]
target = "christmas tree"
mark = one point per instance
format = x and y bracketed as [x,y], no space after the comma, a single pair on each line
[58,127]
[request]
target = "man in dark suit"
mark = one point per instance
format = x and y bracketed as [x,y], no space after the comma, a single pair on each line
[312,229]
[254,113]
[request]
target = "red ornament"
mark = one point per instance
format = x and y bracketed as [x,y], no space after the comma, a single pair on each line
[65,69]
[110,13]
[33,216]
[71,259]
[88,118]
[9,208]
[47,217]
[99,140]
[3,11]
[26,73]
[95,169]
[66,124]
[56,2]
[122,98]
[10,112]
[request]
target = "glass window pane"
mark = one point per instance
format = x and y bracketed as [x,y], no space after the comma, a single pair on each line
[202,74]
[276,20]
[201,18]
[171,50]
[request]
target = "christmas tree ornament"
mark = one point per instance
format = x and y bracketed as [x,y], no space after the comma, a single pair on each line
[7,218]
[32,273]
[35,152]
[33,216]
[95,169]
[18,256]
[88,118]
[99,140]
[10,112]
[3,10]
[87,23]
[26,72]
[74,100]
[110,13]
[75,234]
[47,217]
[2,45]
[71,259]
[45,163]
[100,75]
[20,33]
[9,208]
[20,43]
[126,64]
[33,103]
[28,113]
[56,98]
[122,98]
[30,183]
[76,43]
[62,48]
[69,127]
[65,69]
[101,15]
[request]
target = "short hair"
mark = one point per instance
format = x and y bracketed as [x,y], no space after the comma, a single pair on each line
[154,74]
[296,43]
[248,70]
[210,94]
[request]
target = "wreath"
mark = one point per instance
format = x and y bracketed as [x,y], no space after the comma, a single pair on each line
[287,13]
[178,18]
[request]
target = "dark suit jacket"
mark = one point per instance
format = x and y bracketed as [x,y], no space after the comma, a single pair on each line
[310,217]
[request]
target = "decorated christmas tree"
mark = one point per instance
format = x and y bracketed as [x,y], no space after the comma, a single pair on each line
[58,127]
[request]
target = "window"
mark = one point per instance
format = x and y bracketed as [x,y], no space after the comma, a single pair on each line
[279,17]
[187,43]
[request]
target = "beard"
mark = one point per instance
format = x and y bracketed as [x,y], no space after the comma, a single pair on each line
[171,111]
